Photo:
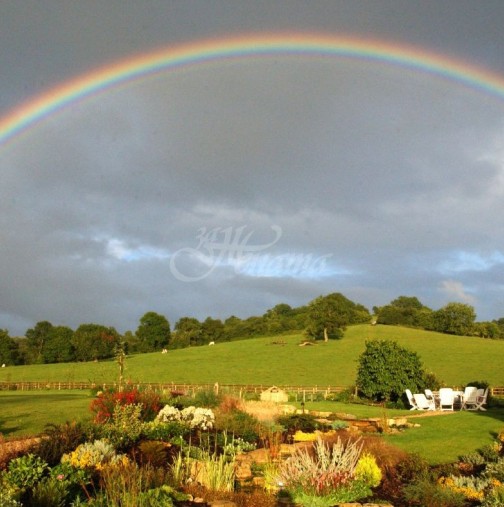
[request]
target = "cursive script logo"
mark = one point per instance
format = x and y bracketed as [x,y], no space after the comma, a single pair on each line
[219,247]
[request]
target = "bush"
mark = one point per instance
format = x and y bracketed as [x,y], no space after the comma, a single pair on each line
[425,492]
[238,423]
[124,428]
[58,440]
[298,422]
[386,370]
[104,404]
[171,431]
[329,477]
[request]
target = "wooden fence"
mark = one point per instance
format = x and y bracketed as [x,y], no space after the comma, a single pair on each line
[308,393]
[303,392]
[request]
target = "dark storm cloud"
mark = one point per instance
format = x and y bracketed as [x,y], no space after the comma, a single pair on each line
[268,181]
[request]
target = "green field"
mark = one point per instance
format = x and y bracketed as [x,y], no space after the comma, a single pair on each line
[456,360]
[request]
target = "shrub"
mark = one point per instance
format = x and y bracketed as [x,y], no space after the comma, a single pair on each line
[298,422]
[238,423]
[58,440]
[171,431]
[495,470]
[206,398]
[25,471]
[194,417]
[93,455]
[386,370]
[50,492]
[104,404]
[427,493]
[328,477]
[152,452]
[125,426]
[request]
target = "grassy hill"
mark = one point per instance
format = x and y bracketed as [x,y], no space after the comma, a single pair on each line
[456,360]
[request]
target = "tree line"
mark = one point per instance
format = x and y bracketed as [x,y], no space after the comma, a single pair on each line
[324,318]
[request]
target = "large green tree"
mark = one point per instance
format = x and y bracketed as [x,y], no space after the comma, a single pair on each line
[153,332]
[9,352]
[386,370]
[455,318]
[58,347]
[36,338]
[94,341]
[188,331]
[404,311]
[212,330]
[329,315]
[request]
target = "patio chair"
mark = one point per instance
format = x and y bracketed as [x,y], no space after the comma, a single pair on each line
[411,400]
[469,398]
[422,402]
[430,398]
[481,399]
[446,398]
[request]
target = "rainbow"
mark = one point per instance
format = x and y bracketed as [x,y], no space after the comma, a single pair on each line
[259,45]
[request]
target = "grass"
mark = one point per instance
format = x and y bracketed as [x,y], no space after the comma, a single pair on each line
[26,413]
[444,438]
[456,360]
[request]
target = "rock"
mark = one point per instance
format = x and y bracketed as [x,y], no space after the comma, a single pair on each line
[221,503]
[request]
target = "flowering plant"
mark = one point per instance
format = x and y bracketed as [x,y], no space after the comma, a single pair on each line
[194,417]
[104,403]
[94,455]
[327,478]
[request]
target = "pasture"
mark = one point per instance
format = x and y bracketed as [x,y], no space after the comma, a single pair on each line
[455,360]
[279,360]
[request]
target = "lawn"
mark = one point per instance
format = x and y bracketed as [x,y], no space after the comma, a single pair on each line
[24,413]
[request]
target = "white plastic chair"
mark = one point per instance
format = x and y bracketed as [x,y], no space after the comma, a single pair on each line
[481,399]
[469,398]
[411,400]
[430,398]
[446,398]
[422,402]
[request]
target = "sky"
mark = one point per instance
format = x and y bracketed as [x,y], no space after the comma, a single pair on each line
[227,185]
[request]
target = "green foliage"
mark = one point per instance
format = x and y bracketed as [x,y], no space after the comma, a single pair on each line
[298,422]
[412,468]
[9,350]
[153,332]
[36,338]
[49,492]
[495,470]
[404,311]
[326,478]
[105,402]
[455,318]
[386,370]
[60,439]
[94,341]
[238,423]
[58,347]
[125,426]
[152,452]
[188,331]
[24,472]
[171,431]
[206,398]
[428,493]
[329,315]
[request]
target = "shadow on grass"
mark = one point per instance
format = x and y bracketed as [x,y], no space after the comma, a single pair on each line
[6,428]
